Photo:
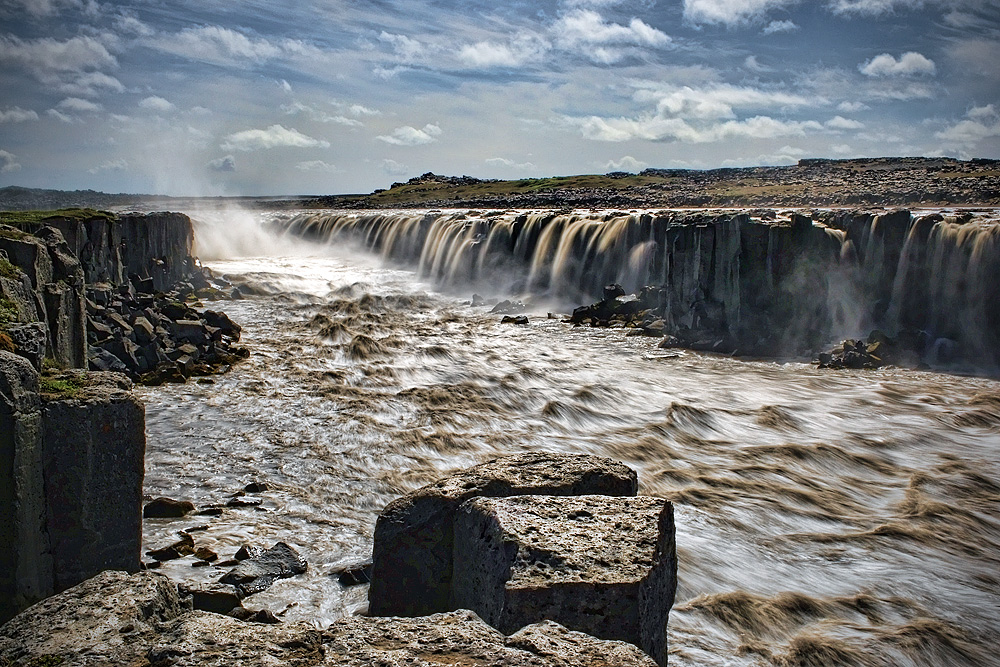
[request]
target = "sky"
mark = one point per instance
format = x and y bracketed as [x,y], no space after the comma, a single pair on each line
[247,97]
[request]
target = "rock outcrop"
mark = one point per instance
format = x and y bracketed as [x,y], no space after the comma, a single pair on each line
[140,619]
[414,535]
[600,565]
[71,468]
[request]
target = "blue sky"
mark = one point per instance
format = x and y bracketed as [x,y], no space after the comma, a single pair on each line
[232,97]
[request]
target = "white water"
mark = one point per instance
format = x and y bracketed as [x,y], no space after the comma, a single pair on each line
[823,517]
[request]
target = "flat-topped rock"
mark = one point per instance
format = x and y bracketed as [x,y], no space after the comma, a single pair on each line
[412,555]
[110,619]
[600,565]
[120,619]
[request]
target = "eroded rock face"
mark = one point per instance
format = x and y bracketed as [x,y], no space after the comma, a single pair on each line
[414,537]
[119,619]
[111,619]
[600,565]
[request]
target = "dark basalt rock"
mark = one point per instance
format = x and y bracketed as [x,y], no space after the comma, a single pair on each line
[167,508]
[258,573]
[353,575]
[516,319]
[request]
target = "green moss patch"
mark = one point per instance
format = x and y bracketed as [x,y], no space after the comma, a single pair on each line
[32,220]
[62,385]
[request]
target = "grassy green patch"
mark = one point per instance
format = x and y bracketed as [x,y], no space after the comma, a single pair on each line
[8,270]
[32,220]
[8,312]
[53,386]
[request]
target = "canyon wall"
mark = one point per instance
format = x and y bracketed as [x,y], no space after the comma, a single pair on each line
[772,284]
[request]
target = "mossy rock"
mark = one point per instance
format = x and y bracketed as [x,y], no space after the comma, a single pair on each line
[54,385]
[32,220]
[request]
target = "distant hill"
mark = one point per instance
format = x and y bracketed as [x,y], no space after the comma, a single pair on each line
[907,181]
[15,198]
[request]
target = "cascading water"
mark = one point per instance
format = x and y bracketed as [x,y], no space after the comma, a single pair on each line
[781,284]
[823,517]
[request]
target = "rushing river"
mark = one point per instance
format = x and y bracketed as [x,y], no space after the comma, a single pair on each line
[823,517]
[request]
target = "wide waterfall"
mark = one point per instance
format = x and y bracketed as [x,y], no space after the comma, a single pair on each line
[779,284]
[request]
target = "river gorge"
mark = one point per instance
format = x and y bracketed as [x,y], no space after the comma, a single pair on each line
[851,517]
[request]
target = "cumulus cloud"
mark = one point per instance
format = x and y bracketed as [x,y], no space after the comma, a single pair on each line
[657,128]
[316,165]
[110,165]
[91,84]
[222,164]
[319,115]
[852,107]
[411,136]
[78,105]
[523,49]
[908,64]
[715,101]
[980,123]
[730,12]
[506,162]
[276,136]
[17,115]
[406,48]
[393,168]
[156,103]
[627,163]
[49,59]
[8,162]
[841,123]
[779,26]
[585,31]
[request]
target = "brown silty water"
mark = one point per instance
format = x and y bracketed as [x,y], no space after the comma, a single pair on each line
[823,517]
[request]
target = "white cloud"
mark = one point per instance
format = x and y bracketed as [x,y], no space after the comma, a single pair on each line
[318,115]
[751,63]
[129,24]
[841,123]
[156,103]
[411,136]
[523,49]
[587,26]
[655,128]
[275,136]
[715,101]
[852,107]
[909,64]
[222,164]
[78,105]
[17,115]
[48,59]
[627,163]
[506,162]
[316,165]
[225,46]
[111,165]
[91,84]
[393,168]
[361,110]
[285,86]
[779,26]
[872,7]
[9,162]
[730,11]
[60,116]
[981,123]
[406,48]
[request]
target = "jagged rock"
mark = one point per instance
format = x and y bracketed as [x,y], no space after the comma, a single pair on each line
[612,292]
[167,508]
[600,565]
[216,598]
[245,552]
[179,549]
[251,616]
[354,575]
[414,535]
[508,307]
[258,573]
[518,319]
[111,619]
[29,342]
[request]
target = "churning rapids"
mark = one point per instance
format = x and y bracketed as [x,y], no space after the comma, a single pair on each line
[823,517]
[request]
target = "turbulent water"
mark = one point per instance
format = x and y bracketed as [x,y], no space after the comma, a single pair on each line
[823,517]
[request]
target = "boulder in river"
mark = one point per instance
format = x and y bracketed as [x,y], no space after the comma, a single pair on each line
[601,565]
[256,574]
[167,508]
[414,535]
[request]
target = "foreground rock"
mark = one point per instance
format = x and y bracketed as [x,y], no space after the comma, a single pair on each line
[414,535]
[119,619]
[257,573]
[604,566]
[71,470]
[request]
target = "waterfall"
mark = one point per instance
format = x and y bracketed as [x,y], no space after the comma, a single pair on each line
[781,282]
